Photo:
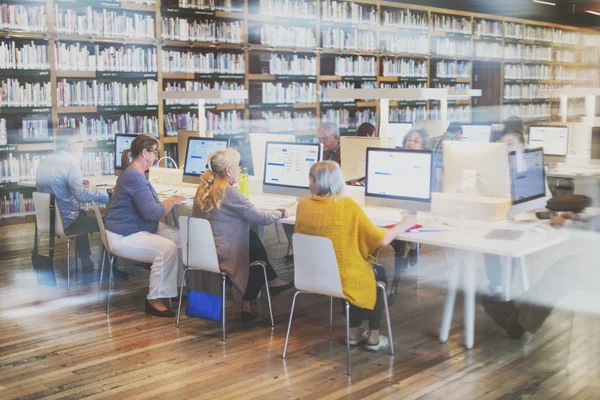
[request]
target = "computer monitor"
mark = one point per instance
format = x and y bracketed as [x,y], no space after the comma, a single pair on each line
[196,156]
[257,148]
[553,139]
[478,167]
[287,166]
[397,131]
[122,143]
[476,133]
[353,154]
[527,180]
[399,178]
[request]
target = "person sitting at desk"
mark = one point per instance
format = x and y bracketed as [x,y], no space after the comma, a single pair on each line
[454,132]
[60,174]
[328,213]
[366,130]
[329,136]
[230,215]
[133,228]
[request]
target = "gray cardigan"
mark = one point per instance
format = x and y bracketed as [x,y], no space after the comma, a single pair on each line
[231,228]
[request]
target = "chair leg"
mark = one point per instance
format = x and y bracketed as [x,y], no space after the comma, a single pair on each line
[102,259]
[387,315]
[349,368]
[110,281]
[287,336]
[68,264]
[268,295]
[277,232]
[76,262]
[418,261]
[223,311]
[331,319]
[180,297]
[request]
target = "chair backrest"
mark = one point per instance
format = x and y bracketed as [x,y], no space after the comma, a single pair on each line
[103,235]
[41,203]
[315,266]
[198,245]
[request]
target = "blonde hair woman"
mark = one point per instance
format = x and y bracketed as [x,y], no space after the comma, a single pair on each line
[230,215]
[328,213]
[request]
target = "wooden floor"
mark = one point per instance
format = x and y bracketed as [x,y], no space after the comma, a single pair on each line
[61,345]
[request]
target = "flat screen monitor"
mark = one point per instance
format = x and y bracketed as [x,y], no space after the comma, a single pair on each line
[527,175]
[397,131]
[553,139]
[353,152]
[257,148]
[196,156]
[122,143]
[399,178]
[483,164]
[287,166]
[476,133]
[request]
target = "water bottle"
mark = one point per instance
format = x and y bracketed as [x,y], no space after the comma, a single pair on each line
[244,182]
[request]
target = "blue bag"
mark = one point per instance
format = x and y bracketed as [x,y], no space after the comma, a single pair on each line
[204,305]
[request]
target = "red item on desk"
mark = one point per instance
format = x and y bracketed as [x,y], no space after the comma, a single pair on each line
[410,229]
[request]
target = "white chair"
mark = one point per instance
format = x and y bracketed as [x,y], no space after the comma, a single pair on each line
[42,218]
[106,252]
[200,254]
[316,271]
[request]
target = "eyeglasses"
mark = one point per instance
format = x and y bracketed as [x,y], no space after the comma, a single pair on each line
[155,151]
[324,139]
[413,140]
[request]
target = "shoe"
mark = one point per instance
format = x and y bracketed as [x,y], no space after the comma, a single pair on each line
[153,311]
[413,258]
[383,343]
[502,312]
[247,316]
[362,339]
[277,290]
[515,331]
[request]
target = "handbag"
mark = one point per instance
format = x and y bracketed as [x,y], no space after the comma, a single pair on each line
[200,304]
[44,265]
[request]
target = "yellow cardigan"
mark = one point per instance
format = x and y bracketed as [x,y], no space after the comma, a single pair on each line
[355,238]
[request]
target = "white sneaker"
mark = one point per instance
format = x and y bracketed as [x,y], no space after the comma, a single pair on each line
[383,343]
[362,339]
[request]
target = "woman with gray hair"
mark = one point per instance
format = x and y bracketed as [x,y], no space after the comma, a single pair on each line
[328,213]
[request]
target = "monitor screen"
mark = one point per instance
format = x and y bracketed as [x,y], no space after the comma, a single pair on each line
[399,174]
[397,131]
[477,133]
[527,176]
[198,150]
[288,164]
[553,139]
[122,143]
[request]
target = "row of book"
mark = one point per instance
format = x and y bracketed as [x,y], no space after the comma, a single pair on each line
[219,5]
[100,128]
[203,63]
[98,163]
[201,30]
[513,30]
[356,66]
[15,205]
[539,33]
[562,73]
[451,23]
[342,11]
[280,64]
[527,71]
[484,27]
[562,55]
[527,52]
[26,18]
[225,122]
[541,110]
[575,107]
[407,44]
[35,128]
[18,167]
[344,119]
[289,92]
[452,69]
[28,55]
[286,121]
[203,85]
[86,57]
[405,67]
[174,122]
[104,22]
[14,93]
[335,85]
[289,36]
[284,8]
[453,86]
[450,47]
[404,85]
[487,50]
[589,56]
[96,93]
[530,92]
[455,113]
[3,132]
[349,39]
[405,19]
[566,37]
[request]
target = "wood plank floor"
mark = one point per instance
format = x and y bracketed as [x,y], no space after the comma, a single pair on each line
[56,344]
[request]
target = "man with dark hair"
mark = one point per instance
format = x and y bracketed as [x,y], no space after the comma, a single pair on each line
[454,132]
[60,174]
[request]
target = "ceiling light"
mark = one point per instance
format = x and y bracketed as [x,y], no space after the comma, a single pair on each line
[593,12]
[548,3]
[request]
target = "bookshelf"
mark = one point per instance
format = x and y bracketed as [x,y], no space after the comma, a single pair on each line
[100,65]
